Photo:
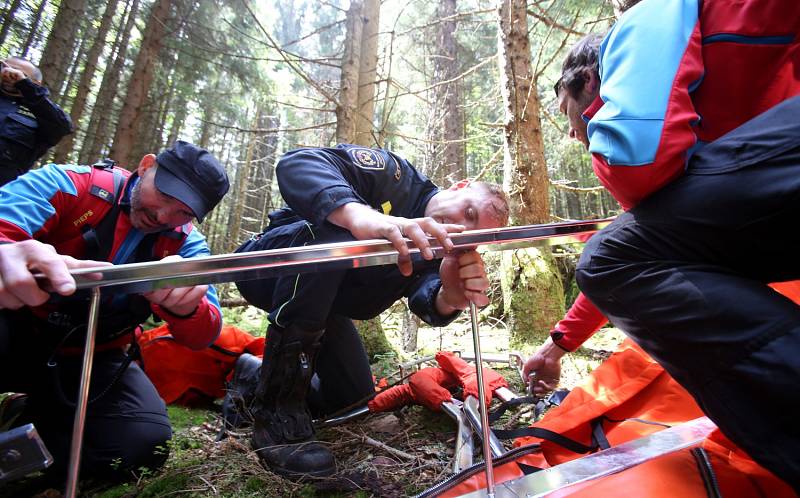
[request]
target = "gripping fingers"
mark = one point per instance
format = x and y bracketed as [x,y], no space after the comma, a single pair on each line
[479,298]
[19,261]
[180,301]
[420,239]
[441,233]
[9,300]
[395,236]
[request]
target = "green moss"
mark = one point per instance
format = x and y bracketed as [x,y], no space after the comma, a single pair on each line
[533,296]
[122,490]
[374,338]
[183,418]
[248,318]
[165,484]
[255,485]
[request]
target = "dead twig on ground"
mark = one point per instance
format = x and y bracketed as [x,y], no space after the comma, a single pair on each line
[377,444]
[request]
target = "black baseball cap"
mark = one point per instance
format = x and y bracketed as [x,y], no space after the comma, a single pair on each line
[193,176]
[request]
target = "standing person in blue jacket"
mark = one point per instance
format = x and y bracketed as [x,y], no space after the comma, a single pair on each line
[30,123]
[56,218]
[690,111]
[337,195]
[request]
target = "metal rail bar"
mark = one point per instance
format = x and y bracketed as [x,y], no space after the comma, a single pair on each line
[143,277]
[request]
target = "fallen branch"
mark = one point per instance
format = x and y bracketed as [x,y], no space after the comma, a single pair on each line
[377,444]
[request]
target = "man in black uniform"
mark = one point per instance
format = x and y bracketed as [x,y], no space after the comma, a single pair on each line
[30,123]
[336,195]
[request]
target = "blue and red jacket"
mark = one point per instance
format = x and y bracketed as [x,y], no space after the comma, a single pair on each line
[673,76]
[55,204]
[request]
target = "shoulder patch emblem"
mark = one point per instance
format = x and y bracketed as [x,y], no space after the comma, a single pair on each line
[367,158]
[101,193]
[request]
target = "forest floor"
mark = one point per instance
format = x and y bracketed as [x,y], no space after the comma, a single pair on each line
[393,454]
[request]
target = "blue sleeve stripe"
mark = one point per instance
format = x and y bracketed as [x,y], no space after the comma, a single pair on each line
[26,201]
[195,245]
[748,40]
[637,70]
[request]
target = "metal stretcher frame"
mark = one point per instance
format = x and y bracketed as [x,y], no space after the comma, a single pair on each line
[603,463]
[143,277]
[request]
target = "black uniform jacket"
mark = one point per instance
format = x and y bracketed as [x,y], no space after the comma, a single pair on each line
[316,181]
[29,125]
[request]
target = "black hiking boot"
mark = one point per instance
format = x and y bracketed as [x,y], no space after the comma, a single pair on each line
[283,435]
[240,394]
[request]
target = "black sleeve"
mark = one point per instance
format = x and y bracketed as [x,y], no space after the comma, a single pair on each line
[422,300]
[54,123]
[314,182]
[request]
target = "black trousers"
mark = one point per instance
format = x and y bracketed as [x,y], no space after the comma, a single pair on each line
[685,274]
[126,425]
[325,300]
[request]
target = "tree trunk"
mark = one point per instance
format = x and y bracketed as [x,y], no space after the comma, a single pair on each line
[270,156]
[146,139]
[354,112]
[58,51]
[236,198]
[98,130]
[524,164]
[37,18]
[217,231]
[77,57]
[259,183]
[8,19]
[139,85]
[85,83]
[532,291]
[367,72]
[290,22]
[347,107]
[448,152]
[178,119]
[208,101]
[163,114]
[243,171]
[410,328]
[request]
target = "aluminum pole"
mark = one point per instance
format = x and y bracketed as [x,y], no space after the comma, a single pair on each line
[487,451]
[83,398]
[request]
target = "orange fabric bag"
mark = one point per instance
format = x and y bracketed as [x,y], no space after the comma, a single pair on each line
[184,376]
[631,385]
